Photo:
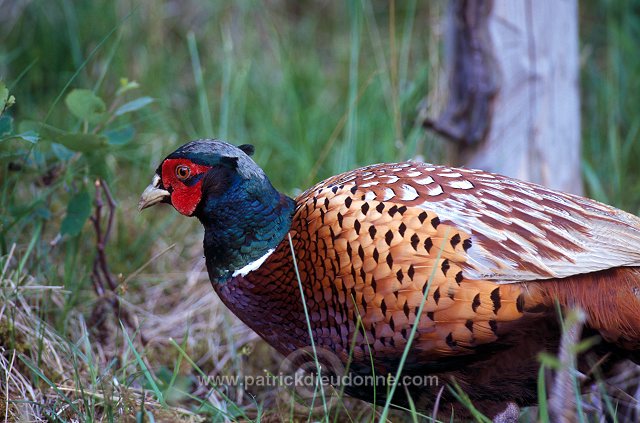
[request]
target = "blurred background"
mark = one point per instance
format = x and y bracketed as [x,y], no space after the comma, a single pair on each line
[100,91]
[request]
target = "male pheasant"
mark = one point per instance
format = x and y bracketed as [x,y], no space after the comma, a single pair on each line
[492,255]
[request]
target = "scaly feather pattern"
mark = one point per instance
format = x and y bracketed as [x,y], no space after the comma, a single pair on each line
[521,231]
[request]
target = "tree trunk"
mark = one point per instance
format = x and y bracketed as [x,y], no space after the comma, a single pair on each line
[513,104]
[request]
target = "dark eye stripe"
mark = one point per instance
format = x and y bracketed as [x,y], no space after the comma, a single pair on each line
[191,181]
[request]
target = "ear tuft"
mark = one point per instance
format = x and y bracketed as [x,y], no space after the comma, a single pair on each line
[248,149]
[230,162]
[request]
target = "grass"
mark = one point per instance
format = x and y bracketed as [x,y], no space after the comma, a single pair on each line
[610,125]
[317,87]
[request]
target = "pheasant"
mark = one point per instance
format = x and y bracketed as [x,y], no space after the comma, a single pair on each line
[491,257]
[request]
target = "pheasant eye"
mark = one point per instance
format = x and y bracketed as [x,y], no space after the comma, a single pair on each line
[183,172]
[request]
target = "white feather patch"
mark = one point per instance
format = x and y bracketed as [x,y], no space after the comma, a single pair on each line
[437,190]
[253,265]
[388,194]
[369,196]
[369,184]
[409,193]
[461,184]
[425,181]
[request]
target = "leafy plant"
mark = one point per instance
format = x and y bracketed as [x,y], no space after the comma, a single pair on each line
[6,122]
[99,134]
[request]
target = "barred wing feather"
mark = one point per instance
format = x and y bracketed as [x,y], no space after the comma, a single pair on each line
[519,231]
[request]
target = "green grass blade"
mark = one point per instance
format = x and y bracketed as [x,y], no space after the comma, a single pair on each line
[176,368]
[306,315]
[205,377]
[412,334]
[143,367]
[225,94]
[359,324]
[21,75]
[32,243]
[203,102]
[464,399]
[347,158]
[85,62]
[412,406]
[543,406]
[32,366]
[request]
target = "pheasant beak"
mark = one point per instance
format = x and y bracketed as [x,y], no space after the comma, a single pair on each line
[153,194]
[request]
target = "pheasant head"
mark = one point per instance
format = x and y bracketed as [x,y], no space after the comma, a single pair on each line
[243,215]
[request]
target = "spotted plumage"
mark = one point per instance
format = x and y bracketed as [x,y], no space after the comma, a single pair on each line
[488,255]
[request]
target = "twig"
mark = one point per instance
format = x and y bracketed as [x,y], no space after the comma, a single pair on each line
[98,286]
[112,211]
[101,273]
[102,237]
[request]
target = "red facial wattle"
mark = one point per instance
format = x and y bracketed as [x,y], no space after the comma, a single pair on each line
[185,196]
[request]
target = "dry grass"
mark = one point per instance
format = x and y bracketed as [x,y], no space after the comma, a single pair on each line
[89,372]
[44,375]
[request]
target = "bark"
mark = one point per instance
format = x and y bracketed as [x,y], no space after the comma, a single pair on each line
[513,104]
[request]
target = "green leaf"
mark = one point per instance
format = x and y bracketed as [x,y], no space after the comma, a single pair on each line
[84,104]
[121,136]
[133,105]
[126,85]
[29,125]
[61,152]
[6,125]
[6,100]
[78,211]
[29,136]
[4,95]
[586,344]
[83,143]
[98,165]
[6,129]
[33,131]
[550,361]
